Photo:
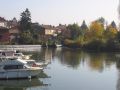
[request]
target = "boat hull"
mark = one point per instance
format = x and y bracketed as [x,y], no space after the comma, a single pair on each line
[19,74]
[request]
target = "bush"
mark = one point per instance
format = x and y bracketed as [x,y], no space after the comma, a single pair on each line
[95,45]
[72,43]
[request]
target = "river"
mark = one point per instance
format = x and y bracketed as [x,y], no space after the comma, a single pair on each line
[71,69]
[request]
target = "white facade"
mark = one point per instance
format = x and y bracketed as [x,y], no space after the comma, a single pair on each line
[49,32]
[3,24]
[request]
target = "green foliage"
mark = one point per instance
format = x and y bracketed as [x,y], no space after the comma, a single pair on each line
[113,24]
[83,28]
[74,29]
[27,35]
[26,38]
[96,37]
[112,45]
[101,20]
[95,45]
[118,36]
[72,43]
[51,42]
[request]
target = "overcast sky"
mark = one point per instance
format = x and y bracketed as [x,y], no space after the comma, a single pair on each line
[61,11]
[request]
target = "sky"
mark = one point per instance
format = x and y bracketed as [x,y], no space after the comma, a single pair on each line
[56,12]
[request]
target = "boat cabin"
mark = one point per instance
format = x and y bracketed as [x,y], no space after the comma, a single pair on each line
[12,64]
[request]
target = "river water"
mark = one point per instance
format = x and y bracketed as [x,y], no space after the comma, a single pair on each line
[71,69]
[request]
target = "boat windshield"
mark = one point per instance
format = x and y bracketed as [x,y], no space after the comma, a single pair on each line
[10,67]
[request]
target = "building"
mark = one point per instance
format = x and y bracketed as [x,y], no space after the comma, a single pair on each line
[47,32]
[64,31]
[3,22]
[8,30]
[14,33]
[13,29]
[12,23]
[61,28]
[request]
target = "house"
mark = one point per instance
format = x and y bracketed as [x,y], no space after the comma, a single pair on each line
[3,22]
[61,28]
[12,23]
[13,29]
[14,33]
[64,31]
[47,32]
[8,30]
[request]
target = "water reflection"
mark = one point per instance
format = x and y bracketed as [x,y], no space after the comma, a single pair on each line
[100,61]
[118,81]
[20,84]
[74,58]
[70,57]
[95,61]
[118,67]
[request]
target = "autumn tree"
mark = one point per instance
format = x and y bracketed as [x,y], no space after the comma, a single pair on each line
[111,31]
[96,30]
[101,20]
[94,36]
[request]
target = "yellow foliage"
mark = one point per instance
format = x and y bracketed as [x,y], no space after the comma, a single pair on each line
[111,32]
[72,42]
[68,41]
[96,30]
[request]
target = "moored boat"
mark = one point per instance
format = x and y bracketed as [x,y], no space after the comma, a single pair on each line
[13,53]
[17,69]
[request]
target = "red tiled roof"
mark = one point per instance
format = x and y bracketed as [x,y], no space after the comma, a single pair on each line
[48,26]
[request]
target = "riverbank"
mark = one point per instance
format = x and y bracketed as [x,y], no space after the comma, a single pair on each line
[38,47]
[21,47]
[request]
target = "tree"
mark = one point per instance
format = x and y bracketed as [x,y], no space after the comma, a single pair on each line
[74,30]
[84,28]
[113,24]
[84,25]
[26,38]
[101,20]
[26,35]
[118,36]
[111,31]
[96,30]
[25,21]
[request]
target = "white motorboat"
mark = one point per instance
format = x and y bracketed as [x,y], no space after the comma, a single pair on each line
[13,53]
[21,56]
[16,69]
